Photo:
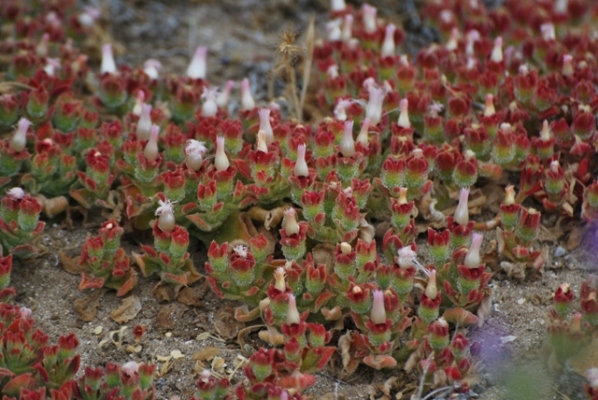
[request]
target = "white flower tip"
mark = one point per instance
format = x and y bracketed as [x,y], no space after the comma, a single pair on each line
[431,289]
[220,160]
[293,316]
[548,32]
[347,145]
[473,259]
[363,137]
[279,282]
[489,109]
[462,212]
[369,18]
[568,69]
[247,102]
[592,375]
[197,67]
[130,368]
[404,121]
[241,250]
[16,193]
[497,55]
[337,5]
[545,133]
[345,248]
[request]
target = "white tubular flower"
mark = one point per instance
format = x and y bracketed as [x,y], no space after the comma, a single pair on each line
[108,63]
[347,29]
[347,144]
[165,214]
[548,32]
[496,55]
[403,121]
[408,258]
[369,18]
[374,110]
[301,168]
[139,100]
[431,289]
[545,133]
[247,102]
[337,5]
[261,144]
[473,259]
[241,250]
[332,72]
[388,46]
[194,152]
[568,69]
[334,30]
[144,124]
[363,137]
[471,37]
[52,64]
[152,68]
[489,109]
[198,66]
[130,368]
[264,115]
[151,148]
[462,212]
[89,16]
[16,193]
[293,316]
[453,41]
[19,139]
[279,282]
[220,160]
[209,108]
[224,95]
[289,222]
[378,313]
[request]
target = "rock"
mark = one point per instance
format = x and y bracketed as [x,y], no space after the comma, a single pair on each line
[559,251]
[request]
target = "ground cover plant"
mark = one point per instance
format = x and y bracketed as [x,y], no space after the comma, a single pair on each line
[357,226]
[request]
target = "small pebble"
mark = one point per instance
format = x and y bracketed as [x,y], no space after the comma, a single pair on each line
[559,251]
[168,334]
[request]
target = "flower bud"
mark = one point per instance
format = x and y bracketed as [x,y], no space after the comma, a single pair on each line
[108,64]
[19,139]
[489,109]
[247,102]
[473,259]
[337,5]
[152,69]
[289,222]
[363,137]
[431,289]
[293,316]
[165,214]
[388,46]
[403,121]
[144,124]
[220,160]
[568,68]
[265,126]
[151,148]
[548,32]
[197,67]
[301,168]
[224,95]
[497,55]
[279,282]
[378,313]
[347,144]
[209,108]
[369,18]
[462,212]
[346,32]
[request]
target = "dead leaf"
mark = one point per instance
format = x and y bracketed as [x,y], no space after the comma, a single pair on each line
[191,296]
[225,323]
[514,270]
[71,264]
[128,310]
[575,238]
[324,254]
[87,307]
[206,354]
[164,292]
[164,316]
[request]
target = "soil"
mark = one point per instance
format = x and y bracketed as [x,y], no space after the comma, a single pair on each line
[241,36]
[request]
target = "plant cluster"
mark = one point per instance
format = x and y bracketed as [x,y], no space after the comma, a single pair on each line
[313,227]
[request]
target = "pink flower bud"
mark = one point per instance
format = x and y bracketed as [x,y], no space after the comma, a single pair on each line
[52,64]
[403,121]
[222,99]
[453,41]
[497,55]
[592,375]
[378,313]
[374,109]
[388,46]
[301,168]
[151,148]
[293,316]
[289,222]
[108,64]
[265,125]
[209,108]
[568,69]
[363,137]
[194,152]
[473,259]
[472,36]
[247,102]
[89,16]
[144,125]
[165,214]
[334,30]
[345,248]
[261,142]
[220,160]
[347,145]
[139,101]
[197,67]
[16,193]
[431,289]
[369,18]
[489,109]
[575,326]
[545,133]
[19,139]
[152,68]
[347,28]
[509,196]
[462,212]
[279,282]
[130,368]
